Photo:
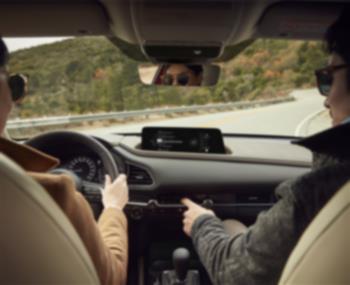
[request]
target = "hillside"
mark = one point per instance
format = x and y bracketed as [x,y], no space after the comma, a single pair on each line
[85,75]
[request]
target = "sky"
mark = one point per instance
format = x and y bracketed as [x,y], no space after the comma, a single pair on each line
[14,44]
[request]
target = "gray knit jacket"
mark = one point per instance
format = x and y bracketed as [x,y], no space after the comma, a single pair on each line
[259,255]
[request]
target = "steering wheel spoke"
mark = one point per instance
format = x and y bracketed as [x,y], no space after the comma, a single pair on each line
[92,193]
[91,188]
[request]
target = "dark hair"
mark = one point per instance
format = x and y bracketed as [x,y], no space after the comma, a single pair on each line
[338,38]
[4,53]
[197,69]
[17,84]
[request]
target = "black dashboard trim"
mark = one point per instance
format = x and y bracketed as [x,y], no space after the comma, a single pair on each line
[236,135]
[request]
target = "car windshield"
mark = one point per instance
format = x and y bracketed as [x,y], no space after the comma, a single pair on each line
[88,84]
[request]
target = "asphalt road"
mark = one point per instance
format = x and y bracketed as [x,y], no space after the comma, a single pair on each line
[300,117]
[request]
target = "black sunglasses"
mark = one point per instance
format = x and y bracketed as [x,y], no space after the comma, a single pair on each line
[181,79]
[324,77]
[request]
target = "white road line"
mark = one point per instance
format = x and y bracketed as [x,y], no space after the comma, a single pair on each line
[299,128]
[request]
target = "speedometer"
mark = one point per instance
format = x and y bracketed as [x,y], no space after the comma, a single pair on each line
[84,167]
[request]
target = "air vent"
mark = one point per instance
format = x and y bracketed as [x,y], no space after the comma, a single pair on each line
[138,176]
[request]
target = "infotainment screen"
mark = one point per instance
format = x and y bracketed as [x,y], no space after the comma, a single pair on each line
[182,139]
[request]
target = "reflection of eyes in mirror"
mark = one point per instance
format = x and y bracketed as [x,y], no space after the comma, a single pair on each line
[183,75]
[179,74]
[181,79]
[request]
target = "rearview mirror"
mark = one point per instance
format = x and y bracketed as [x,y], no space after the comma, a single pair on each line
[179,74]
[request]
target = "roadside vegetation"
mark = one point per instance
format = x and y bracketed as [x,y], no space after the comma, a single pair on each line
[89,75]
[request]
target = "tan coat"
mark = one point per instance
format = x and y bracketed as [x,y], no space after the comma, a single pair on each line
[105,241]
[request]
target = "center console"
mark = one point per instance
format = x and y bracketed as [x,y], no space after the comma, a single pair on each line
[225,205]
[157,232]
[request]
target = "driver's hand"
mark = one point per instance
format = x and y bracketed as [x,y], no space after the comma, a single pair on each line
[192,213]
[116,194]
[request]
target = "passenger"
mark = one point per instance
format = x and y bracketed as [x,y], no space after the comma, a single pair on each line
[183,75]
[234,254]
[105,241]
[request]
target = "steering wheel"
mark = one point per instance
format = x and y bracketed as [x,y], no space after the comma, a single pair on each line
[48,141]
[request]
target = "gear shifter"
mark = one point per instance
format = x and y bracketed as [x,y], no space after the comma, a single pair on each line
[181,258]
[182,274]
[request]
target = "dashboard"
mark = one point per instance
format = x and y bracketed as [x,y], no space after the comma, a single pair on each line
[232,184]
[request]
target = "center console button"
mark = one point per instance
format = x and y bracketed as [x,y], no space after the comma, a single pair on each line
[208,203]
[152,204]
[136,213]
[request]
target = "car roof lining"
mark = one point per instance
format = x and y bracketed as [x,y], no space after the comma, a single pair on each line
[43,18]
[301,21]
[53,18]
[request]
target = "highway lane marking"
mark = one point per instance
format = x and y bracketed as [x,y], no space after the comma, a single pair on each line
[299,128]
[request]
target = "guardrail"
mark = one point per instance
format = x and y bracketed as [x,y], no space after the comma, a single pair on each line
[66,120]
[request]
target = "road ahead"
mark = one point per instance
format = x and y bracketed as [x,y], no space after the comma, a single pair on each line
[291,118]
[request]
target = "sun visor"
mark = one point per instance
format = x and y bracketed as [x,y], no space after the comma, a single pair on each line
[298,20]
[52,19]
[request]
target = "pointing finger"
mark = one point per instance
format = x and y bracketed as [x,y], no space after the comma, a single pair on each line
[187,202]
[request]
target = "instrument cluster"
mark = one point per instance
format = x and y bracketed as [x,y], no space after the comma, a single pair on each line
[86,167]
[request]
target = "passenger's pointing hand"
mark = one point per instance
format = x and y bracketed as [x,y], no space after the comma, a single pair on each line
[192,213]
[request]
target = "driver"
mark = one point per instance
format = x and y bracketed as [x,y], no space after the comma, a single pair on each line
[235,254]
[106,241]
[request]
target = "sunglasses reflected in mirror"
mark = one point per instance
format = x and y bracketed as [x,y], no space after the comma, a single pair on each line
[181,79]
